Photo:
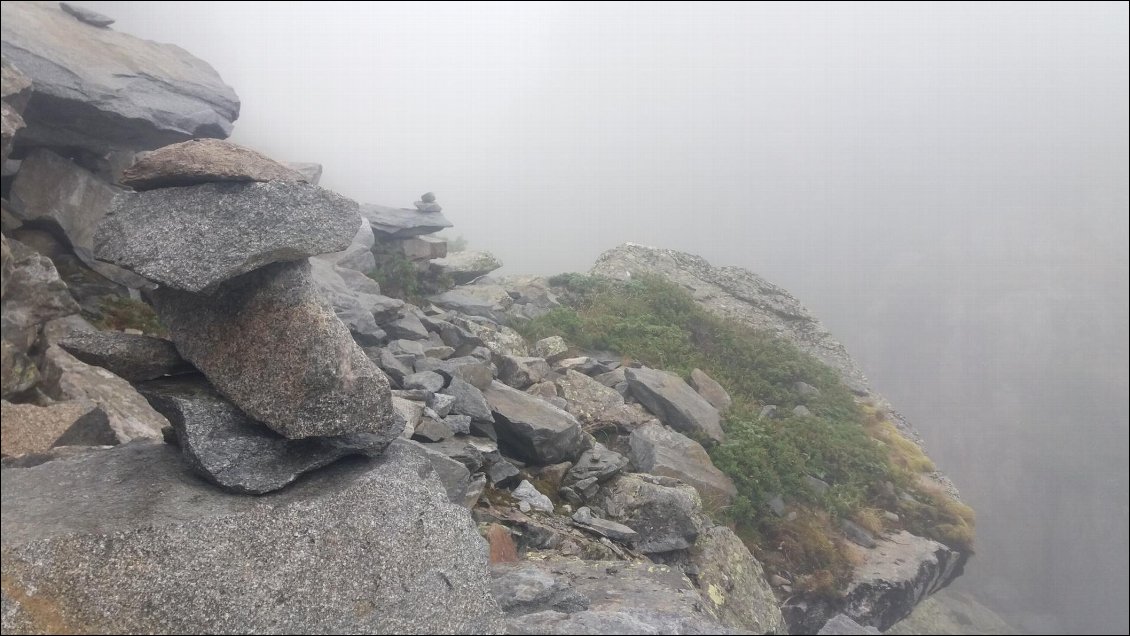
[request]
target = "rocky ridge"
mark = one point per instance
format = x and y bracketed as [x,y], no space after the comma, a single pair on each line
[288,448]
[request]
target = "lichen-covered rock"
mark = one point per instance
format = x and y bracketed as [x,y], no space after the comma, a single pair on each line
[33,294]
[734,584]
[675,403]
[129,541]
[659,450]
[100,89]
[195,237]
[130,356]
[270,344]
[666,512]
[598,463]
[598,406]
[553,348]
[533,429]
[203,161]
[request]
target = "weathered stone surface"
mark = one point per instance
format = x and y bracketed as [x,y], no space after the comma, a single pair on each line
[130,416]
[842,625]
[534,430]
[354,308]
[409,415]
[464,267]
[237,453]
[17,372]
[311,172]
[734,584]
[658,450]
[16,90]
[469,451]
[526,493]
[801,410]
[359,255]
[666,512]
[117,541]
[406,327]
[675,402]
[468,400]
[135,358]
[520,372]
[565,596]
[196,237]
[710,390]
[894,576]
[487,301]
[427,380]
[82,14]
[422,248]
[502,473]
[598,406]
[454,476]
[471,370]
[199,161]
[598,463]
[432,430]
[33,294]
[56,452]
[99,89]
[27,428]
[270,344]
[605,528]
[553,349]
[402,222]
[951,612]
[582,364]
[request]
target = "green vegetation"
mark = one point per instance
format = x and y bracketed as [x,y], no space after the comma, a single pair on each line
[852,447]
[119,313]
[400,278]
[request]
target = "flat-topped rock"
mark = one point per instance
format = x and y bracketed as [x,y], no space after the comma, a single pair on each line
[402,222]
[203,161]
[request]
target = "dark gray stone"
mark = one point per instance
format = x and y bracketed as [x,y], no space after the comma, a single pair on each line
[468,400]
[453,474]
[196,237]
[133,357]
[857,534]
[82,14]
[534,430]
[402,222]
[460,424]
[199,161]
[121,540]
[441,403]
[469,369]
[353,308]
[520,373]
[502,473]
[597,462]
[427,380]
[408,327]
[270,344]
[526,493]
[582,364]
[237,453]
[99,89]
[666,512]
[675,402]
[605,528]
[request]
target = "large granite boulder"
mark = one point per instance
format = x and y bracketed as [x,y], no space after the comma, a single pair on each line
[733,583]
[195,237]
[99,89]
[464,267]
[402,222]
[659,450]
[269,343]
[675,403]
[533,429]
[130,356]
[203,161]
[130,541]
[665,512]
[237,453]
[53,191]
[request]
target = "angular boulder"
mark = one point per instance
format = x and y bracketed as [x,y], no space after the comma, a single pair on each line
[675,403]
[99,89]
[203,161]
[597,463]
[533,429]
[710,390]
[270,344]
[33,294]
[28,428]
[128,541]
[665,512]
[733,583]
[598,406]
[237,453]
[402,222]
[133,357]
[486,301]
[658,450]
[352,307]
[196,237]
[464,267]
[16,90]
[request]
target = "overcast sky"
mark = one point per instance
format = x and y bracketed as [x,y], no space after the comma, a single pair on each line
[945,185]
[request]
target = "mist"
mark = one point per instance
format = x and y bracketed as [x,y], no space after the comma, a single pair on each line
[945,186]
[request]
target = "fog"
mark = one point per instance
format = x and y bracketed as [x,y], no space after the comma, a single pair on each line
[944,185]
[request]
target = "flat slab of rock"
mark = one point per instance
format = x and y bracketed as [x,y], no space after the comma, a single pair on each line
[666,512]
[133,357]
[82,14]
[535,430]
[196,237]
[203,161]
[117,541]
[464,267]
[237,453]
[605,528]
[402,222]
[270,344]
[100,89]
[710,390]
[675,403]
[488,301]
[28,428]
[659,450]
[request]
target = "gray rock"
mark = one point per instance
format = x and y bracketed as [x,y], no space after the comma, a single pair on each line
[391,365]
[18,373]
[432,430]
[237,453]
[553,349]
[359,255]
[612,378]
[659,450]
[428,197]
[464,267]
[666,512]
[527,493]
[474,491]
[58,452]
[99,89]
[598,406]
[502,473]
[767,412]
[454,475]
[271,345]
[733,583]
[857,534]
[311,172]
[422,248]
[427,380]
[499,339]
[843,625]
[82,14]
[460,424]
[441,404]
[33,294]
[471,370]
[521,372]
[805,389]
[487,301]
[469,451]
[412,348]
[196,237]
[818,486]
[407,327]
[468,400]
[710,390]
[598,463]
[534,430]
[402,222]
[802,411]
[28,428]
[619,532]
[354,308]
[129,415]
[582,364]
[675,402]
[52,191]
[124,559]
[566,596]
[135,358]
[439,352]
[16,93]
[199,161]
[409,415]
[777,505]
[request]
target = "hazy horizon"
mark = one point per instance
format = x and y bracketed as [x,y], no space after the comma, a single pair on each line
[944,185]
